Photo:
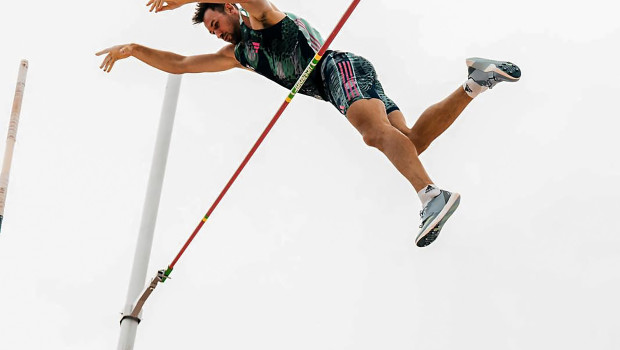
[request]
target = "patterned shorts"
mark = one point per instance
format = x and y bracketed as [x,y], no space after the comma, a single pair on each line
[348,78]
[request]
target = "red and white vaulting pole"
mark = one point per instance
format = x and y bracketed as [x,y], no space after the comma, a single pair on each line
[12,135]
[300,82]
[162,275]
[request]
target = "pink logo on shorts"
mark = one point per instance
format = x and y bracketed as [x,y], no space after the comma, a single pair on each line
[348,80]
[256,46]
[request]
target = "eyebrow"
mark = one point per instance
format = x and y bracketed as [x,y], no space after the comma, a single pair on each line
[212,23]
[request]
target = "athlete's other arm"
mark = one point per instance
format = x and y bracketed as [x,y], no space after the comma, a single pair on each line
[262,11]
[170,62]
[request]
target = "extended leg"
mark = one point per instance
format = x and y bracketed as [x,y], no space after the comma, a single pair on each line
[483,74]
[434,121]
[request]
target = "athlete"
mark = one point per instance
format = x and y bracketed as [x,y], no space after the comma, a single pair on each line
[279,46]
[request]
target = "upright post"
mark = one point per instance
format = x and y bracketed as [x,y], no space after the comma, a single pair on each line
[12,135]
[129,325]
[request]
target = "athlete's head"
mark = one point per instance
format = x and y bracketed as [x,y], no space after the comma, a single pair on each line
[221,20]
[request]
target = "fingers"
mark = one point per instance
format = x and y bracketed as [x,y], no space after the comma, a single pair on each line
[156,5]
[104,61]
[168,7]
[102,52]
[108,63]
[110,66]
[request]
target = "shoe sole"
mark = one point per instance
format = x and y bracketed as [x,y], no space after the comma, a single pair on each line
[429,235]
[507,70]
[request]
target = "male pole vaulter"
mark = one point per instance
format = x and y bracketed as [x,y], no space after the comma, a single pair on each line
[280,45]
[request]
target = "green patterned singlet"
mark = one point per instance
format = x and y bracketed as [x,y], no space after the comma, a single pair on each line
[282,52]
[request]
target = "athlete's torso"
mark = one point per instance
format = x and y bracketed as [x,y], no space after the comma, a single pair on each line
[282,52]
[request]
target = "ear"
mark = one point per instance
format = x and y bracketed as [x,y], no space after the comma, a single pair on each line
[230,8]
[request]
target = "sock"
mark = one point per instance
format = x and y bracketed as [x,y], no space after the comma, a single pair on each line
[428,193]
[472,88]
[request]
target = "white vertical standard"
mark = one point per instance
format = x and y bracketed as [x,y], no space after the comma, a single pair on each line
[129,325]
[12,135]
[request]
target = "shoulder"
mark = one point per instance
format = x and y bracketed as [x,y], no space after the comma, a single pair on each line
[263,13]
[228,51]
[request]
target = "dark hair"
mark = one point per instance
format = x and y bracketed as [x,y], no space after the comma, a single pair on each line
[202,7]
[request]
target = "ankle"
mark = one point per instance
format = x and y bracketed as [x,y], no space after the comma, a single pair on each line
[473,89]
[428,193]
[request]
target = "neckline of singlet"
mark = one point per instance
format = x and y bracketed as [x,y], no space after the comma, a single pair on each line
[319,86]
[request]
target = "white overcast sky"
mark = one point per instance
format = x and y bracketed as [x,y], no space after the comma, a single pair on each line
[313,247]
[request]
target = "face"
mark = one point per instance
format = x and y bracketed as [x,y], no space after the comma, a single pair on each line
[224,25]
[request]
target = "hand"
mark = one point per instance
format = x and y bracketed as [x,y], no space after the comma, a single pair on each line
[158,5]
[115,53]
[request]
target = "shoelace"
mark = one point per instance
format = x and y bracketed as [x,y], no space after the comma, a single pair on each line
[489,82]
[421,215]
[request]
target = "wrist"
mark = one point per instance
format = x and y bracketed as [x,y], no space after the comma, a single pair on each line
[132,49]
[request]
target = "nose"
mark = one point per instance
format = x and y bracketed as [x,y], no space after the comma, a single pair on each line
[219,34]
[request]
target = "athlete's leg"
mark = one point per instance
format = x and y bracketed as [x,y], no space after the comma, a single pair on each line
[368,116]
[355,90]
[434,121]
[483,74]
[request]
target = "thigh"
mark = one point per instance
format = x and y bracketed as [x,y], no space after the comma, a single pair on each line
[390,106]
[368,114]
[349,78]
[397,119]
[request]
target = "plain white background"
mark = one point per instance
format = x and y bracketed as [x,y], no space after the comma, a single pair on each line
[313,246]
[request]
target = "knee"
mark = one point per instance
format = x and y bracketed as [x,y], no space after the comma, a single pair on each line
[371,138]
[375,137]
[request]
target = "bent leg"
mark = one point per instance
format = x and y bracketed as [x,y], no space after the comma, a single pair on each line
[369,117]
[483,74]
[434,121]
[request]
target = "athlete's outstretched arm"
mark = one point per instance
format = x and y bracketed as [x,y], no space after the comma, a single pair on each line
[262,11]
[158,5]
[171,62]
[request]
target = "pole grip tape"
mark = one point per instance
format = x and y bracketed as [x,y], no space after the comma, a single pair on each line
[135,313]
[166,274]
